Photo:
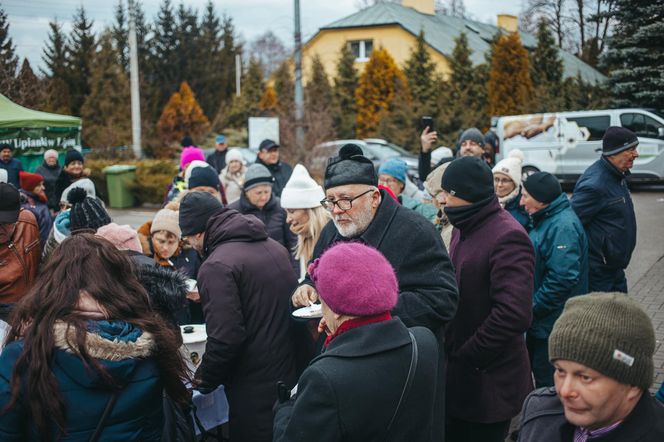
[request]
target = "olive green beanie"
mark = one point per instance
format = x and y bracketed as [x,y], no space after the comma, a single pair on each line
[608,332]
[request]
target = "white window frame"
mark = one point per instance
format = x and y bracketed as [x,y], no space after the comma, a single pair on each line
[362,56]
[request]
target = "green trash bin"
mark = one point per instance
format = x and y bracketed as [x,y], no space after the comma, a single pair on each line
[118,178]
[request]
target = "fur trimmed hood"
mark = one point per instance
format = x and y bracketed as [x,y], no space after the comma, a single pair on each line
[167,289]
[102,348]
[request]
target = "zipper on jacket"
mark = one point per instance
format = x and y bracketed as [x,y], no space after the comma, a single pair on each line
[12,247]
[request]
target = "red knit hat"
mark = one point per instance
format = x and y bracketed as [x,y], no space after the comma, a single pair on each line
[355,279]
[29,181]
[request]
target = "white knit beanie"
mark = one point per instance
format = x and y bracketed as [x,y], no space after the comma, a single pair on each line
[167,220]
[511,166]
[301,191]
[234,155]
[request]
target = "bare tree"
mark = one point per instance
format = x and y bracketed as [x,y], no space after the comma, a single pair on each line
[455,8]
[270,52]
[553,12]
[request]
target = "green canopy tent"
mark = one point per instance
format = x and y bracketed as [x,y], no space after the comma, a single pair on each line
[32,132]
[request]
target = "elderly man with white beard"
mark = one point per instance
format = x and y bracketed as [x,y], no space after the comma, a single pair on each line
[428,295]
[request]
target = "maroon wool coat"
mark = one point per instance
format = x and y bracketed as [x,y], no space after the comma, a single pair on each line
[489,372]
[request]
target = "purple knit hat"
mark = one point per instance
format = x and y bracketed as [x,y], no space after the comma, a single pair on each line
[355,279]
[190,154]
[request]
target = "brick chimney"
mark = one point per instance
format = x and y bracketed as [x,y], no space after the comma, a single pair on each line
[423,6]
[508,22]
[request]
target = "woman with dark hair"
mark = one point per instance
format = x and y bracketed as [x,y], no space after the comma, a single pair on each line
[86,352]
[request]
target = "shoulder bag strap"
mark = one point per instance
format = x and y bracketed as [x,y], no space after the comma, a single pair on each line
[104,416]
[408,384]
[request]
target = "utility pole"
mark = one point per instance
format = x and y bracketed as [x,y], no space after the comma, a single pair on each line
[299,97]
[238,75]
[133,78]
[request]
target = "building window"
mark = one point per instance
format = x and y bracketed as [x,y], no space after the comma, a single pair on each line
[361,49]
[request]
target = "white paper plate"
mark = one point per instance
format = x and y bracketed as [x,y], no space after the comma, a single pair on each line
[313,311]
[191,285]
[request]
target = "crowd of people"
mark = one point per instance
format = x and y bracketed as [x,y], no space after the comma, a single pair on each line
[445,313]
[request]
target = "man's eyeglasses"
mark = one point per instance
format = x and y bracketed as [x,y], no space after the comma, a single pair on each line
[344,204]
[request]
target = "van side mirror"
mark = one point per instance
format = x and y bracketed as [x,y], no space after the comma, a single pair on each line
[660,132]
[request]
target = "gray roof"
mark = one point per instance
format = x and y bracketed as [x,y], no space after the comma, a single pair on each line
[441,30]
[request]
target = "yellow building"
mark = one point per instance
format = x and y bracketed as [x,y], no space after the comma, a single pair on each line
[396,26]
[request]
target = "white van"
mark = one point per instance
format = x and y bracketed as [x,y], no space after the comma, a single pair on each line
[566,143]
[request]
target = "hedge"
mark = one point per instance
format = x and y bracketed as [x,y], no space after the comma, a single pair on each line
[152,178]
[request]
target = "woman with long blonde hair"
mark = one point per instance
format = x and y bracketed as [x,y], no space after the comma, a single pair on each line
[306,217]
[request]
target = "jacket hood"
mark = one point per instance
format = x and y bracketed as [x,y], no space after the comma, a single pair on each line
[230,225]
[117,344]
[167,289]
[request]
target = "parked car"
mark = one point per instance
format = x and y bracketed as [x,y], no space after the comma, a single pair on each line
[376,150]
[566,143]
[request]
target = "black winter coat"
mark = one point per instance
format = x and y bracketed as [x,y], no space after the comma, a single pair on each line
[428,295]
[350,392]
[217,160]
[602,201]
[50,174]
[245,283]
[543,420]
[281,173]
[274,218]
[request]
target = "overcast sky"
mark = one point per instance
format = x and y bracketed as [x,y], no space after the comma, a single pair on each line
[28,19]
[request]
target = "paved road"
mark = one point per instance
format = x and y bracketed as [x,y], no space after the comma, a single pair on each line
[645,274]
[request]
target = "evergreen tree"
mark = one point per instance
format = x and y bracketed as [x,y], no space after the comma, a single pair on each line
[344,110]
[106,110]
[189,48]
[546,71]
[462,96]
[636,54]
[420,71]
[181,116]
[80,53]
[208,86]
[269,101]
[120,31]
[247,104]
[229,49]
[28,88]
[376,91]
[55,52]
[163,67]
[318,91]
[318,103]
[510,87]
[8,58]
[284,86]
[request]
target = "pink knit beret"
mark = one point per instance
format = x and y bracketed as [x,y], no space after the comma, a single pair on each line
[122,237]
[190,154]
[355,279]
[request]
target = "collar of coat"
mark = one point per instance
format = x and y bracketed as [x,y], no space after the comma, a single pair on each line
[613,170]
[557,205]
[102,348]
[367,340]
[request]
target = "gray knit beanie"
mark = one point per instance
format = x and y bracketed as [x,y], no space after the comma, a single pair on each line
[608,332]
[472,134]
[256,175]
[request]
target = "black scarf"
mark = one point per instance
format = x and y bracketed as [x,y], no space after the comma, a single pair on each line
[457,215]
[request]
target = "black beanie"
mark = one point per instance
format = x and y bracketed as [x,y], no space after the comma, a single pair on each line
[543,186]
[616,139]
[350,167]
[204,176]
[73,155]
[86,212]
[468,178]
[196,208]
[472,134]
